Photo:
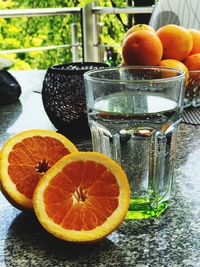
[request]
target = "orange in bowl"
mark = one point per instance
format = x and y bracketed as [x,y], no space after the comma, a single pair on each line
[172,63]
[142,47]
[139,27]
[176,40]
[193,62]
[196,41]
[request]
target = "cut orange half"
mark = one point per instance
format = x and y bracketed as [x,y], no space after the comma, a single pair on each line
[24,160]
[82,198]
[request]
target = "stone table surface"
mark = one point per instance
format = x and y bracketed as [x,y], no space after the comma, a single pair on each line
[173,239]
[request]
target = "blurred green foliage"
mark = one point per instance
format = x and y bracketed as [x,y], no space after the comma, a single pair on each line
[27,32]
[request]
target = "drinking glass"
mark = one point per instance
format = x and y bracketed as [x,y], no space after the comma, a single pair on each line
[133,115]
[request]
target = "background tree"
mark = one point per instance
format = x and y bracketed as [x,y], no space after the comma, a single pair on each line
[26,32]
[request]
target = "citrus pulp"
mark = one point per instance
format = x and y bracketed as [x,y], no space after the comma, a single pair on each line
[82,198]
[25,158]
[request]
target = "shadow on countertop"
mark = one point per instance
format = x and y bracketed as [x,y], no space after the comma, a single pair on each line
[28,244]
[166,241]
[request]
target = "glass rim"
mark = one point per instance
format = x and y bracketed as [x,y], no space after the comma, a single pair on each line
[181,74]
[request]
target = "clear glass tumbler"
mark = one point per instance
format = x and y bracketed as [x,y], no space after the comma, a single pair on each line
[133,115]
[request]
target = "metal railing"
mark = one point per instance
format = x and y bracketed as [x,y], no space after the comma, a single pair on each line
[34,12]
[45,12]
[122,10]
[91,44]
[91,41]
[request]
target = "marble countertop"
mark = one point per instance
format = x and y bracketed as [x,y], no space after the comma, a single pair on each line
[173,239]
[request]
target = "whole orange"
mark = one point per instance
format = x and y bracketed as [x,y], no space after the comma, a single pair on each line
[176,40]
[193,62]
[142,47]
[173,63]
[196,41]
[139,27]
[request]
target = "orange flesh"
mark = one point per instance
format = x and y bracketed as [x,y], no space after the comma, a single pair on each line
[30,159]
[82,196]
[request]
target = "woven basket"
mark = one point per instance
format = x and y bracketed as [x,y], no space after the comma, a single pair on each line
[192,91]
[63,97]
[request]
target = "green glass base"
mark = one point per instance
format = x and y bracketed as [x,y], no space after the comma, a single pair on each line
[145,210]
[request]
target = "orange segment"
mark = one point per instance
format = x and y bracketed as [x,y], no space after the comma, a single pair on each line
[82,198]
[91,172]
[25,159]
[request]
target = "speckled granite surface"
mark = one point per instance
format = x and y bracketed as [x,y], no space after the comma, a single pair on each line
[171,240]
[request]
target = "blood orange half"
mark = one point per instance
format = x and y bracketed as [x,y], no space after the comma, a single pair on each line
[24,160]
[82,198]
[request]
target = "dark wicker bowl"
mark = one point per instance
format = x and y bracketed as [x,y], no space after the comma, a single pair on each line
[63,97]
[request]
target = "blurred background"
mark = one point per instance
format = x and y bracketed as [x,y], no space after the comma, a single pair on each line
[35,34]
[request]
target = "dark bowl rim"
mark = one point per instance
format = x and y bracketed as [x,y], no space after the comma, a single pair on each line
[61,67]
